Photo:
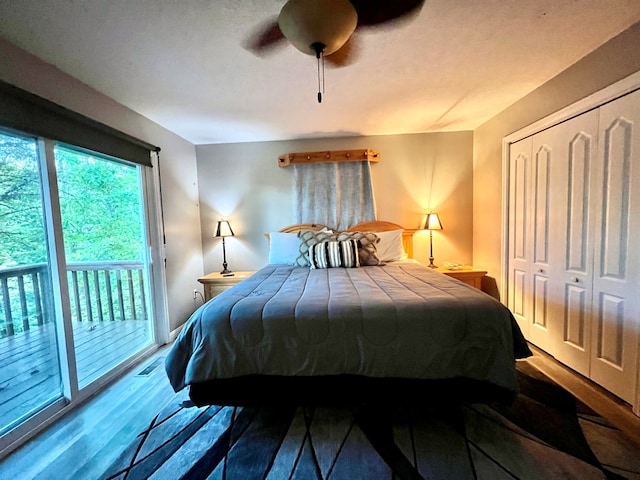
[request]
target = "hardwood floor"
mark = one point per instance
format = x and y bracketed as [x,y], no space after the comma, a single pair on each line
[617,411]
[83,444]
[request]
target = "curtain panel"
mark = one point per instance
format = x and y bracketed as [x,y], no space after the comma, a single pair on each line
[339,194]
[28,113]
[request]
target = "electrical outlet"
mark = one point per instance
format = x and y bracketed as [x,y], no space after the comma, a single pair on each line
[195,293]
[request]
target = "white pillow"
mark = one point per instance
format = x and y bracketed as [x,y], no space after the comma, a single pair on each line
[390,248]
[284,248]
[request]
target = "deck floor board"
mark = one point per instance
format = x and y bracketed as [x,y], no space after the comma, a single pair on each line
[83,443]
[29,370]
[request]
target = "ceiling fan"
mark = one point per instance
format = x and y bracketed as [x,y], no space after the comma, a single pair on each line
[325,28]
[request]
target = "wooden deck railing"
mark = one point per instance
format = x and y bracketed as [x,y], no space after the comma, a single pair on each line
[27,287]
[98,291]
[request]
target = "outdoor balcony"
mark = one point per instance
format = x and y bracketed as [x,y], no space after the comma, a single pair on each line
[110,323]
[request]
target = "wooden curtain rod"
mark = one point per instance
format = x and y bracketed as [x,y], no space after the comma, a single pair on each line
[330,156]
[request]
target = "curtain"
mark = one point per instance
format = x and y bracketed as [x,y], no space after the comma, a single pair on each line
[28,113]
[337,194]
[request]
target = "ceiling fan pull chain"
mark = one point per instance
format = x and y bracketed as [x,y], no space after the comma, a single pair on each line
[319,47]
[319,83]
[323,73]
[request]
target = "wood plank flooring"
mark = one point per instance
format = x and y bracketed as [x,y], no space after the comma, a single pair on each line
[82,444]
[617,411]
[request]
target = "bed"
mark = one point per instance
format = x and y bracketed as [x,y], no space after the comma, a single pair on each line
[386,330]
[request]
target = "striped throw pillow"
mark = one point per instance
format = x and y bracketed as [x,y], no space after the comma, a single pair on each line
[367,246]
[334,254]
[308,238]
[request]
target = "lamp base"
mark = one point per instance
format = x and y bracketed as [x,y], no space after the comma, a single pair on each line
[225,271]
[431,264]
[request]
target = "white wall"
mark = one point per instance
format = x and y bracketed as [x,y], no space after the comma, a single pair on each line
[243,183]
[178,165]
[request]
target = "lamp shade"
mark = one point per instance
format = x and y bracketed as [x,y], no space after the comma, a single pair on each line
[432,222]
[308,22]
[223,229]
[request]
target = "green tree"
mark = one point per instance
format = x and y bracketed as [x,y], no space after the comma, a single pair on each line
[100,205]
[22,233]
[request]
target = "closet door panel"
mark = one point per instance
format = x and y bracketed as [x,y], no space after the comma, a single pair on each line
[541,167]
[575,318]
[521,210]
[610,337]
[578,167]
[541,330]
[614,361]
[540,302]
[519,296]
[572,258]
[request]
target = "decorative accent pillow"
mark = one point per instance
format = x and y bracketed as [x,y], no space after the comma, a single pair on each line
[284,248]
[390,248]
[366,246]
[308,238]
[334,254]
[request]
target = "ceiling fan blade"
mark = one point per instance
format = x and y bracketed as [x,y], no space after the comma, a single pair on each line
[265,38]
[345,55]
[376,12]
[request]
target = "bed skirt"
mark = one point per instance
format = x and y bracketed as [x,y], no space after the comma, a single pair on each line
[332,390]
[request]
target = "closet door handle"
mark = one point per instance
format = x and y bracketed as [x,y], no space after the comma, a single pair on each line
[540,270]
[575,279]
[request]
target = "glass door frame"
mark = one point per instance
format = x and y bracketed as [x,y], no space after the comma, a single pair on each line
[72,396]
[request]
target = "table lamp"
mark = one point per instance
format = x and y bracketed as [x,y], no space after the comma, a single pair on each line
[223,229]
[431,223]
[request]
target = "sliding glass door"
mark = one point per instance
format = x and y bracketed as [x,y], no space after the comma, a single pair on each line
[30,370]
[106,256]
[75,275]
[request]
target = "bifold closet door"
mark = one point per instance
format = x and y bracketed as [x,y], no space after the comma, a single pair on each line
[531,296]
[543,156]
[574,230]
[574,193]
[616,280]
[519,298]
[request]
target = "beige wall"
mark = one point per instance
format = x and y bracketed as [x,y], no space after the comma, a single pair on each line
[613,61]
[242,182]
[179,183]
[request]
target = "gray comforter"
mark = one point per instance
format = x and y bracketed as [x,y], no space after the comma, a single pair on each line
[399,320]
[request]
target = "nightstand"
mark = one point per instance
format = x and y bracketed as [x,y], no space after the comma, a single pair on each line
[215,283]
[469,275]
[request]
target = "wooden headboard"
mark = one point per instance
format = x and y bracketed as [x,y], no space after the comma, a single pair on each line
[375,226]
[315,227]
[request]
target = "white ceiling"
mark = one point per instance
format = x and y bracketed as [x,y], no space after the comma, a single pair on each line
[182,63]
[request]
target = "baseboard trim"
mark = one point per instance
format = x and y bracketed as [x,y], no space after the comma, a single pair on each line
[174,333]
